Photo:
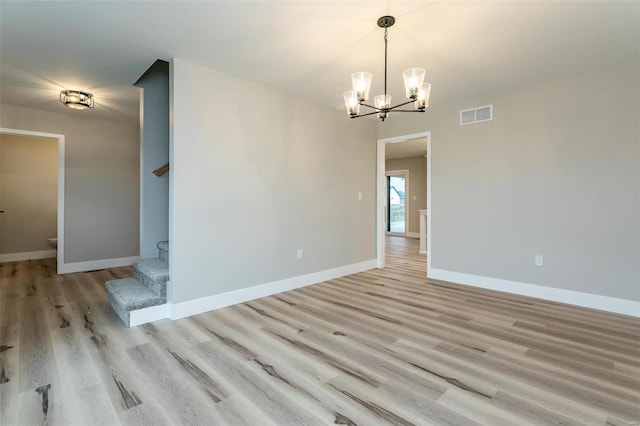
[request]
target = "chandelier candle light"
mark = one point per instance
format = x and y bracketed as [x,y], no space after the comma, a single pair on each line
[76,99]
[417,92]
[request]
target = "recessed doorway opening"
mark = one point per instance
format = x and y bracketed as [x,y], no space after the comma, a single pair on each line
[58,238]
[383,210]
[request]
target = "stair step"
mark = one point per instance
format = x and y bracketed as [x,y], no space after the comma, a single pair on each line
[128,295]
[163,249]
[153,274]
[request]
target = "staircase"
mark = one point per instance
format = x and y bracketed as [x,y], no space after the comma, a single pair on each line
[147,288]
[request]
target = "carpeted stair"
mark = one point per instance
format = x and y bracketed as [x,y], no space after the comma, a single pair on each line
[147,288]
[163,247]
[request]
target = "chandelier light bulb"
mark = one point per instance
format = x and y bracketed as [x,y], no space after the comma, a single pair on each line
[413,79]
[423,97]
[383,103]
[361,85]
[351,102]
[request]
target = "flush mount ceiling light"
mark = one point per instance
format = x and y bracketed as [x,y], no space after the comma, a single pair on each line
[416,90]
[76,99]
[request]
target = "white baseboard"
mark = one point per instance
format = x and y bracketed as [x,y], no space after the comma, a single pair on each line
[413,234]
[150,314]
[93,265]
[205,304]
[28,255]
[571,297]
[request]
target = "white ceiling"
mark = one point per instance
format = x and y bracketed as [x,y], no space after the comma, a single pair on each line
[307,48]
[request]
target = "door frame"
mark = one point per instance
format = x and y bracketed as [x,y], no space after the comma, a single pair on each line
[404,173]
[381,195]
[61,170]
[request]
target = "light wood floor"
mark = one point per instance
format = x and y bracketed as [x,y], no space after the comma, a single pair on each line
[380,347]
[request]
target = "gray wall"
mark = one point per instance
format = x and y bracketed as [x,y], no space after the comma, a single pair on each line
[256,175]
[154,152]
[556,174]
[28,193]
[101,180]
[417,167]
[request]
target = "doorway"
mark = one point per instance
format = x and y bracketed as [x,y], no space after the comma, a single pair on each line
[397,202]
[59,191]
[381,207]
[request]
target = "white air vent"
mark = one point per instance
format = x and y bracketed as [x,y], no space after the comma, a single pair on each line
[475,115]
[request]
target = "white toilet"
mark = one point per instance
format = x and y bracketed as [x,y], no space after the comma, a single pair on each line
[53,242]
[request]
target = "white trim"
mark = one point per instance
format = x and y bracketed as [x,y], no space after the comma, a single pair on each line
[217,301]
[404,138]
[170,292]
[141,168]
[381,196]
[150,314]
[28,255]
[429,205]
[380,205]
[61,173]
[413,234]
[60,242]
[93,265]
[588,300]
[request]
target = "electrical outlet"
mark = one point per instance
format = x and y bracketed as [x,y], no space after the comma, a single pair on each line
[299,254]
[359,196]
[539,260]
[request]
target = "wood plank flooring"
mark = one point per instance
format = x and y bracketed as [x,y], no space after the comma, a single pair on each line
[380,347]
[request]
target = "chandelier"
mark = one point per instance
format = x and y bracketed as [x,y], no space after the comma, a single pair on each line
[76,99]
[416,90]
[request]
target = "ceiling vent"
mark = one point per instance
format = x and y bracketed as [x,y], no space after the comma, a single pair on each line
[476,115]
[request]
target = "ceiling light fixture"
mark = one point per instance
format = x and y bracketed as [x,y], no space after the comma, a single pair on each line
[76,99]
[416,90]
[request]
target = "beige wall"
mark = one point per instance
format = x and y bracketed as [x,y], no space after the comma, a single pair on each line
[557,173]
[417,167]
[28,193]
[257,174]
[101,180]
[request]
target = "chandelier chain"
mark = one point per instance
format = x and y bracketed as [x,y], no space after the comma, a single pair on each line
[385,60]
